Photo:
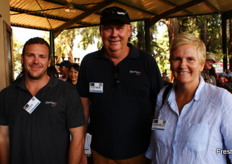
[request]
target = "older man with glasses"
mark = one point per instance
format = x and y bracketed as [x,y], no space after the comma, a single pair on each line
[118,86]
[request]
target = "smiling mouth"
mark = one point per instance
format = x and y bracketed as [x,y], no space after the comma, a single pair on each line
[183,73]
[35,68]
[114,41]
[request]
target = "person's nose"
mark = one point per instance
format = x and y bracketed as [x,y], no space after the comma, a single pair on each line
[36,59]
[114,33]
[183,63]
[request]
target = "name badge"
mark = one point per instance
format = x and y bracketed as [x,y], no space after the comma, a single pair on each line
[95,87]
[31,105]
[158,124]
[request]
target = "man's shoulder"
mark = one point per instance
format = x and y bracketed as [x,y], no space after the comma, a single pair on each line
[58,83]
[140,52]
[91,59]
[14,85]
[7,88]
[92,55]
[145,55]
[63,88]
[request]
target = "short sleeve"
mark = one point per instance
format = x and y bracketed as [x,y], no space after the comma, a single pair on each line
[74,111]
[82,85]
[3,114]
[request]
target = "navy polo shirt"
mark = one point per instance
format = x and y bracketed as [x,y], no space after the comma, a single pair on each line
[122,99]
[42,136]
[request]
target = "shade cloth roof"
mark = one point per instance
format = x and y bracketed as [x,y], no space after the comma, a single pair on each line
[51,15]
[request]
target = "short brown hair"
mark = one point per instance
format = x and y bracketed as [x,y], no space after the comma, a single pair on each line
[36,40]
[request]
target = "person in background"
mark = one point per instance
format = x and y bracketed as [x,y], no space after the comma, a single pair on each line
[227,71]
[64,70]
[73,74]
[119,85]
[223,83]
[165,78]
[229,77]
[193,123]
[38,113]
[224,73]
[52,71]
[207,74]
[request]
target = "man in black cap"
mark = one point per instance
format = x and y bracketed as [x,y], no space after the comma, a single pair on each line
[121,83]
[64,69]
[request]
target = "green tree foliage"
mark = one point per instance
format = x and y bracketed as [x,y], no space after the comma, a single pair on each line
[17,51]
[188,25]
[138,35]
[160,45]
[208,28]
[89,35]
[159,42]
[210,32]
[64,43]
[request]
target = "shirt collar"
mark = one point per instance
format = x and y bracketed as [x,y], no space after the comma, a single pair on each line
[199,89]
[21,82]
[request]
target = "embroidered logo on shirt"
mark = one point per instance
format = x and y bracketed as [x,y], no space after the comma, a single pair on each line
[52,103]
[138,73]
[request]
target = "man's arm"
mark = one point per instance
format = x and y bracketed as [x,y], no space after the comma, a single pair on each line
[76,145]
[86,106]
[4,144]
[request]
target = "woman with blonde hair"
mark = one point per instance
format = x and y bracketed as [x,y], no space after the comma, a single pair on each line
[193,122]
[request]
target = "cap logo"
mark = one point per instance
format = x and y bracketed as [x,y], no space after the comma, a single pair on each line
[114,14]
[121,13]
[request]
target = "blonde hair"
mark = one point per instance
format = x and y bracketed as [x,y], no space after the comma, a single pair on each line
[186,38]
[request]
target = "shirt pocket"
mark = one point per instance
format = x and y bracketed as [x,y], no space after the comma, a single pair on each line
[196,136]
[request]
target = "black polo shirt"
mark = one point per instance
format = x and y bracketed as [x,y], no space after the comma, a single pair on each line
[41,137]
[122,99]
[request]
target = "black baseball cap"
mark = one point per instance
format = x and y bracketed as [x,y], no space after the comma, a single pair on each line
[65,63]
[114,14]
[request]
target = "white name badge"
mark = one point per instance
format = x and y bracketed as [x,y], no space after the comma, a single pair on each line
[95,87]
[31,105]
[158,124]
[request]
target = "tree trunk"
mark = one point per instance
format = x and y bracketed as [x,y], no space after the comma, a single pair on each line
[203,33]
[173,28]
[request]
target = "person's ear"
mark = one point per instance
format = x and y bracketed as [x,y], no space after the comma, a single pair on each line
[22,59]
[130,28]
